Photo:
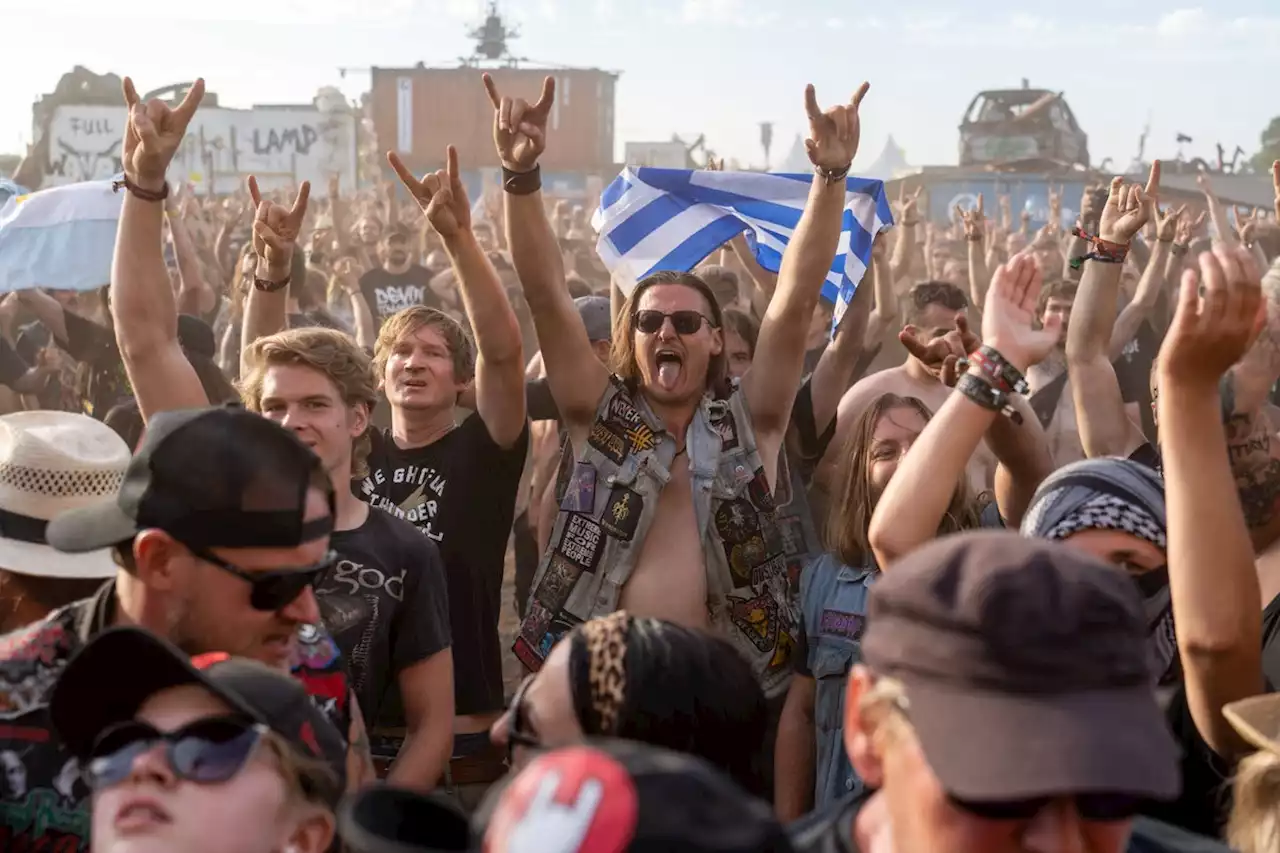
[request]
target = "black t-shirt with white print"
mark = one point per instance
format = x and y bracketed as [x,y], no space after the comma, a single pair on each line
[385,602]
[388,293]
[460,491]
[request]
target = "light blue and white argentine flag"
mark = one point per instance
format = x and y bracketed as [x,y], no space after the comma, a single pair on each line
[671,219]
[62,237]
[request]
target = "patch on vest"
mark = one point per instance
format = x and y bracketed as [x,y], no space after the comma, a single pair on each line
[622,411]
[837,623]
[757,619]
[782,651]
[726,427]
[582,542]
[579,493]
[539,632]
[743,541]
[609,441]
[622,513]
[641,438]
[760,493]
[557,583]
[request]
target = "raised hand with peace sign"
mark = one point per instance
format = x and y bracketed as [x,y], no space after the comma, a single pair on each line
[1129,207]
[154,133]
[276,229]
[520,128]
[834,134]
[440,194]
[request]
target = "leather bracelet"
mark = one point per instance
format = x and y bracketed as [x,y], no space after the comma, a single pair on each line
[997,370]
[268,286]
[980,392]
[832,177]
[522,183]
[138,192]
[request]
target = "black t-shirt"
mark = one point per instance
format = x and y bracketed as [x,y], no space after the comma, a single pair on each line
[1271,642]
[1133,371]
[1205,801]
[460,491]
[94,347]
[385,602]
[387,293]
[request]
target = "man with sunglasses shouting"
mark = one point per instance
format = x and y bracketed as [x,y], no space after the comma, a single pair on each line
[220,529]
[668,510]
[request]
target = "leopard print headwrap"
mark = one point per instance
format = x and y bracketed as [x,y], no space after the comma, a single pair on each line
[605,641]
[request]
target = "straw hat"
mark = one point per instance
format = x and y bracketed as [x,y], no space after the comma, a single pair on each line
[1257,720]
[51,462]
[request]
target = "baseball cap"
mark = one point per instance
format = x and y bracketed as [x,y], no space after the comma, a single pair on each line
[596,316]
[210,478]
[1025,669]
[382,819]
[609,796]
[110,678]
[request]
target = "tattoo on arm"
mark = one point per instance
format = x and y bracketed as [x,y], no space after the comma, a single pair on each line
[1254,456]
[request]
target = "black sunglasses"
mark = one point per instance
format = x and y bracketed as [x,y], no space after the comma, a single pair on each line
[207,751]
[684,322]
[272,590]
[1100,807]
[517,733]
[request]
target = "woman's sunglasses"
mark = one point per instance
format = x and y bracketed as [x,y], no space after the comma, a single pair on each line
[272,590]
[684,322]
[207,751]
[518,733]
[1100,807]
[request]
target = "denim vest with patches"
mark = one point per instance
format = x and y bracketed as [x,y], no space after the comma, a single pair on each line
[608,499]
[833,598]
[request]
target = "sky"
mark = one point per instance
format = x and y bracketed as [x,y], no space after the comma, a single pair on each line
[718,67]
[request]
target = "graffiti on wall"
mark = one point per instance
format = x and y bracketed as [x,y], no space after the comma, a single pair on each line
[281,147]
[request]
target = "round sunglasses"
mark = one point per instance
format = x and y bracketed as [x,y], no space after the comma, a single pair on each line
[207,751]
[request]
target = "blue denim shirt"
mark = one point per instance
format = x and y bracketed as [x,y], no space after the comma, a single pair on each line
[833,601]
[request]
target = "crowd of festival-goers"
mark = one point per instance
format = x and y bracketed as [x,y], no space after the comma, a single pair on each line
[991,567]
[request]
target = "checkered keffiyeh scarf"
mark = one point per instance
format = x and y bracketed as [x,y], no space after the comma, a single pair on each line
[1113,494]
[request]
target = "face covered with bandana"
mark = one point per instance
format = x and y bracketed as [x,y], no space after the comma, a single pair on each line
[1114,509]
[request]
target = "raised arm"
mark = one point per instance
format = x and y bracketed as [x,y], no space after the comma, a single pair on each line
[1217,604]
[499,352]
[1150,285]
[1105,428]
[578,380]
[195,296]
[975,235]
[366,328]
[143,309]
[912,507]
[833,374]
[275,234]
[770,384]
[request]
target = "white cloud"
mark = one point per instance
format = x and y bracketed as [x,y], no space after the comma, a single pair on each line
[718,11]
[1027,23]
[835,23]
[1183,22]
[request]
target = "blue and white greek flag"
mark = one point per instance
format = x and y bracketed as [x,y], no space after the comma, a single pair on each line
[63,237]
[671,219]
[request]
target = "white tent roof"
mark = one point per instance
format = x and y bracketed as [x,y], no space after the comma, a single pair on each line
[891,163]
[797,160]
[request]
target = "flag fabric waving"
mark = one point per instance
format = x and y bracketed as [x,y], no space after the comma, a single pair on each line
[671,219]
[63,237]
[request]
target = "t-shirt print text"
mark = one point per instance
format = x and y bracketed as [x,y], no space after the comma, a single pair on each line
[393,298]
[420,507]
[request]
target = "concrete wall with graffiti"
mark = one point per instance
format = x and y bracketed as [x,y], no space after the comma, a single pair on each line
[280,146]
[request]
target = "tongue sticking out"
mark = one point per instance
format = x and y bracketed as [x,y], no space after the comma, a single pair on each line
[669,374]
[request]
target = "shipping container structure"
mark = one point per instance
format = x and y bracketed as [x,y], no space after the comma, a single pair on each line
[419,111]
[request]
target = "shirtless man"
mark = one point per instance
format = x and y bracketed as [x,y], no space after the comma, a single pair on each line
[1048,379]
[937,319]
[668,509]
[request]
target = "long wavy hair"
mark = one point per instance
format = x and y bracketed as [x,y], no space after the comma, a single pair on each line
[849,519]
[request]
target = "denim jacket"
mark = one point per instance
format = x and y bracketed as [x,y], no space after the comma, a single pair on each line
[833,598]
[610,495]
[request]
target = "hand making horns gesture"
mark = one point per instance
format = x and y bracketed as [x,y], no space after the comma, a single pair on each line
[833,135]
[440,194]
[276,229]
[1129,207]
[153,134]
[520,128]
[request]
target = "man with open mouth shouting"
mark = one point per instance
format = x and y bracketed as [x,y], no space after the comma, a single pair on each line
[668,510]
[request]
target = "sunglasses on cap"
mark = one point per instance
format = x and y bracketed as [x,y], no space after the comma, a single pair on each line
[207,751]
[1099,807]
[684,322]
[273,589]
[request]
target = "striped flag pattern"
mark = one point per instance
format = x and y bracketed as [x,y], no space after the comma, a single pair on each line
[63,237]
[671,219]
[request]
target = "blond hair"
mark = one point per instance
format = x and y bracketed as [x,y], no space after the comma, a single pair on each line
[1254,825]
[409,321]
[328,351]
[622,354]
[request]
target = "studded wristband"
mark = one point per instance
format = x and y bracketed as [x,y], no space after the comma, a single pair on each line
[986,395]
[268,286]
[997,370]
[522,183]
